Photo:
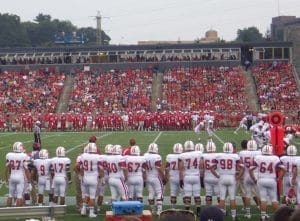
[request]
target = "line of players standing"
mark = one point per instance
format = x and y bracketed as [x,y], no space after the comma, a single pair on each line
[128,175]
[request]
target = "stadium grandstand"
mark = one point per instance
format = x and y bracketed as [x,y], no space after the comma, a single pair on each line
[147,78]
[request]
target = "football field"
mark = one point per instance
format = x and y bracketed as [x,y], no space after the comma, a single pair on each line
[74,141]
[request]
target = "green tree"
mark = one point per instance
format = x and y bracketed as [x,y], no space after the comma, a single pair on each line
[12,33]
[250,34]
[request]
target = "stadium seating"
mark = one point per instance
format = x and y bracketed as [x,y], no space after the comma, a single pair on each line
[276,87]
[33,91]
[209,89]
[111,91]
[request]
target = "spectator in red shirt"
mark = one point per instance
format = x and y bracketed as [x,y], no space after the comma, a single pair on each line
[127,151]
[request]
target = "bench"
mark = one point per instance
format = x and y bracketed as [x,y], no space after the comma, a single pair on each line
[32,212]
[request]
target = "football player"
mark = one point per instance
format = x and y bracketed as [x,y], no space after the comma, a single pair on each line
[172,172]
[90,165]
[61,174]
[247,157]
[211,183]
[155,178]
[15,171]
[189,166]
[136,166]
[242,125]
[288,164]
[225,168]
[103,184]
[42,168]
[267,164]
[115,165]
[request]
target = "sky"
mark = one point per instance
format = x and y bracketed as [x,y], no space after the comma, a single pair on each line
[130,21]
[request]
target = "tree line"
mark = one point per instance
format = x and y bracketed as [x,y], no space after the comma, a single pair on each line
[42,31]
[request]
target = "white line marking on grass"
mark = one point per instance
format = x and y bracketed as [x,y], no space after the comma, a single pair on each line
[28,141]
[6,135]
[79,145]
[156,138]
[216,136]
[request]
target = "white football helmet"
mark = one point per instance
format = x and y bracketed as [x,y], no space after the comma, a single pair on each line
[251,145]
[177,148]
[117,149]
[228,147]
[211,147]
[189,145]
[60,152]
[291,150]
[18,147]
[135,150]
[92,148]
[43,154]
[199,147]
[108,148]
[153,148]
[267,150]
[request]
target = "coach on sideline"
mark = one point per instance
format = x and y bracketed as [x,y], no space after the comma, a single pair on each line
[37,132]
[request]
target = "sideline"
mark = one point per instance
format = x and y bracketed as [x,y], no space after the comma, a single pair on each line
[79,145]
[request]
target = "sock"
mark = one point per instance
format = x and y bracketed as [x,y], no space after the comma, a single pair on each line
[91,209]
[233,212]
[248,210]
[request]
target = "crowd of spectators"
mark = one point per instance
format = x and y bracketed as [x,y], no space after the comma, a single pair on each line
[44,60]
[30,91]
[111,91]
[276,87]
[80,59]
[217,89]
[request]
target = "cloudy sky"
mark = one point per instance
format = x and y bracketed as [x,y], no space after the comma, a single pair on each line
[129,21]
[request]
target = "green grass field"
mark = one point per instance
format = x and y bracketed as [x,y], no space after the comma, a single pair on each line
[74,141]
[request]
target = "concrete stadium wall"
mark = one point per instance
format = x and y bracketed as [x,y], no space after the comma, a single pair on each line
[159,66]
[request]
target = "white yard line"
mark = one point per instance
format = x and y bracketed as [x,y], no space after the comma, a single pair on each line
[216,136]
[28,141]
[156,138]
[79,145]
[6,135]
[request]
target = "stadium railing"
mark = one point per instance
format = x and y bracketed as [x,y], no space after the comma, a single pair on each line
[32,212]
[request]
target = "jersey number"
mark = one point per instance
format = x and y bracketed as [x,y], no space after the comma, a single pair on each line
[133,167]
[15,164]
[194,163]
[264,167]
[226,164]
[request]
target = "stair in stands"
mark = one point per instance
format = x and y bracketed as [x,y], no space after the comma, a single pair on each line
[156,89]
[251,91]
[64,98]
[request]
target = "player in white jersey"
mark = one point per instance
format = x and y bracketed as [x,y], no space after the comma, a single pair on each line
[287,161]
[266,165]
[211,183]
[226,167]
[103,184]
[15,172]
[60,169]
[136,166]
[242,125]
[115,165]
[172,172]
[247,158]
[190,175]
[258,134]
[42,168]
[155,178]
[296,178]
[90,164]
